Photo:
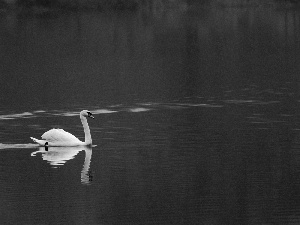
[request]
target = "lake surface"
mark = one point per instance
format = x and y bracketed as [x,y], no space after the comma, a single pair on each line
[196,116]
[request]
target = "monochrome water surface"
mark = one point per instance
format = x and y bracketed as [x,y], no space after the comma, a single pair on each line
[196,116]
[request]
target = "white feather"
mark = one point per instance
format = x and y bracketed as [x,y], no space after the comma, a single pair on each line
[59,135]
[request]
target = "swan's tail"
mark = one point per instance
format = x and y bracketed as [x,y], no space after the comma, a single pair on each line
[40,142]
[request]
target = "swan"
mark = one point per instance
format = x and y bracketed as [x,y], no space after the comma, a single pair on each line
[61,138]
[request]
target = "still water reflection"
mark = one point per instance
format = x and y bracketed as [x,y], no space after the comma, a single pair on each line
[58,156]
[197,116]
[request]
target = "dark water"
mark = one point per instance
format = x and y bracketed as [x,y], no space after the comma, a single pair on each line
[196,116]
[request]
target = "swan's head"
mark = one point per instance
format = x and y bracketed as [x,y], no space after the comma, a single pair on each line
[86,113]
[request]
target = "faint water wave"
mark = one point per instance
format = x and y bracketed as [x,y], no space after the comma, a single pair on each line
[42,113]
[17,146]
[264,121]
[249,96]
[16,116]
[199,105]
[135,110]
[245,101]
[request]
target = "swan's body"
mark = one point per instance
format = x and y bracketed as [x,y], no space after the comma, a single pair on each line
[59,137]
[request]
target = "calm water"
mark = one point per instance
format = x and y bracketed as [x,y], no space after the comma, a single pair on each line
[196,116]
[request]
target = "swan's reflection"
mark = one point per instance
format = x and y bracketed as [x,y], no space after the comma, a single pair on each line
[58,156]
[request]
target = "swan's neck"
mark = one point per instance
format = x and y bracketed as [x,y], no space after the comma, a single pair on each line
[87,132]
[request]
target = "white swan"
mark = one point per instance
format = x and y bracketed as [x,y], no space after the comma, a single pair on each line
[59,137]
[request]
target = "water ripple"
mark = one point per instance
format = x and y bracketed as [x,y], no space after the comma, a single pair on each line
[13,146]
[16,116]
[241,101]
[138,109]
[176,104]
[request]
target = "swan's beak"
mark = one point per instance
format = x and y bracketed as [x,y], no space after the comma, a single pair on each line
[89,114]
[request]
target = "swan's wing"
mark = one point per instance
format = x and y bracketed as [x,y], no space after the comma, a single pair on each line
[59,135]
